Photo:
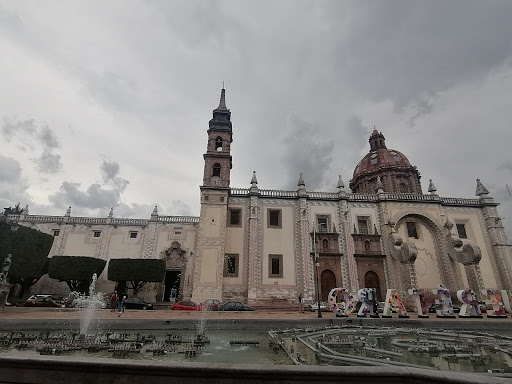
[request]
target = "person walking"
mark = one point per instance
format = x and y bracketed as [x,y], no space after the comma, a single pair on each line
[301,303]
[120,304]
[113,301]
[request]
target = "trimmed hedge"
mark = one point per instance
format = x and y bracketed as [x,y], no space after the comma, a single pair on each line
[76,271]
[137,271]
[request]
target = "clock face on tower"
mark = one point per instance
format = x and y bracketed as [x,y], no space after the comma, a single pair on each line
[215,181]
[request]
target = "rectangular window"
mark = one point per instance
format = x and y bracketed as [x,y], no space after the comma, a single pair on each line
[274,218]
[133,234]
[275,265]
[231,266]
[461,230]
[56,232]
[178,230]
[322,224]
[411,229]
[234,217]
[362,225]
[96,234]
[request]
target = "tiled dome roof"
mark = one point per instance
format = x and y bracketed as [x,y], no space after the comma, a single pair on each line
[381,158]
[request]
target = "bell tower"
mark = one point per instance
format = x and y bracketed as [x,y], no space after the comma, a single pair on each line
[217,159]
[211,237]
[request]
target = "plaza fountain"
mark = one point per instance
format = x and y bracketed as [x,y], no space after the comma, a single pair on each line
[88,304]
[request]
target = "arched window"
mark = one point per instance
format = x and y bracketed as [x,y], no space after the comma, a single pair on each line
[218,143]
[402,187]
[216,169]
[325,244]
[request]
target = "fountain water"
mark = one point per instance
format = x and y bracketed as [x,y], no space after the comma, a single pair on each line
[88,305]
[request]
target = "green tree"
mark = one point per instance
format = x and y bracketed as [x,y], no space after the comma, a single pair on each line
[76,271]
[136,271]
[29,249]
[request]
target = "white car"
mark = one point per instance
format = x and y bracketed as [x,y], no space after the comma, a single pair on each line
[323,307]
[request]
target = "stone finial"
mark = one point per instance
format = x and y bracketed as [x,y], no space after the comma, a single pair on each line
[480,189]
[25,210]
[379,187]
[301,181]
[254,184]
[431,187]
[111,213]
[340,184]
[254,180]
[68,212]
[154,215]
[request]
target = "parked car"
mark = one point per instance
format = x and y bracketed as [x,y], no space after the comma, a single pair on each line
[186,306]
[211,305]
[235,306]
[44,301]
[323,307]
[134,303]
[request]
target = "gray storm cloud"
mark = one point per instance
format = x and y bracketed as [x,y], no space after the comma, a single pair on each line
[13,188]
[305,150]
[37,138]
[95,196]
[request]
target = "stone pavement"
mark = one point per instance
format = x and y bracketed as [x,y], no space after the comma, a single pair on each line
[30,313]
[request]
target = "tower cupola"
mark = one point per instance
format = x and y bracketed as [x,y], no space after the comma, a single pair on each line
[217,159]
[377,140]
[221,120]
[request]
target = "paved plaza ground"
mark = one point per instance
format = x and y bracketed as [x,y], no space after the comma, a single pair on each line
[31,313]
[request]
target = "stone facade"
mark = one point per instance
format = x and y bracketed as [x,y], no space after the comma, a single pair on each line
[265,246]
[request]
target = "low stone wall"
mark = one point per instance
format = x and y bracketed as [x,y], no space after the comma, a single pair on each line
[63,369]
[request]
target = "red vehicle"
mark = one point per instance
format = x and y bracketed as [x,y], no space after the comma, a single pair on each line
[186,306]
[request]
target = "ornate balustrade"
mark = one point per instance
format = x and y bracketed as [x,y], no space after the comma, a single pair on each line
[178,219]
[239,191]
[323,195]
[87,220]
[460,201]
[137,222]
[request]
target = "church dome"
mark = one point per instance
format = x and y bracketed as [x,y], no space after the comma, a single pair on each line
[381,158]
[391,166]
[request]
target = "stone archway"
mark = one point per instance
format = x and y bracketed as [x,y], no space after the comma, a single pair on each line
[327,283]
[371,280]
[448,271]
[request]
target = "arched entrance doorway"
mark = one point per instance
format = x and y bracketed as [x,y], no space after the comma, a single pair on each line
[175,263]
[327,283]
[371,280]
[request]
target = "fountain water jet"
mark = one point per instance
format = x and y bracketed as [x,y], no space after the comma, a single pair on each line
[88,305]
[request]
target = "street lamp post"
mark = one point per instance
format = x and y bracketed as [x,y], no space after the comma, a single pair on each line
[317,264]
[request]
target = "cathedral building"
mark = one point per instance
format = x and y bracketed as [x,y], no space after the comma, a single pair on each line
[266,246]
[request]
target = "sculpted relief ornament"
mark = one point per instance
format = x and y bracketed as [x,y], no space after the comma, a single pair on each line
[466,254]
[403,252]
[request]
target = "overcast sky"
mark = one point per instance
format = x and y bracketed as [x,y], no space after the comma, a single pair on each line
[106,103]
